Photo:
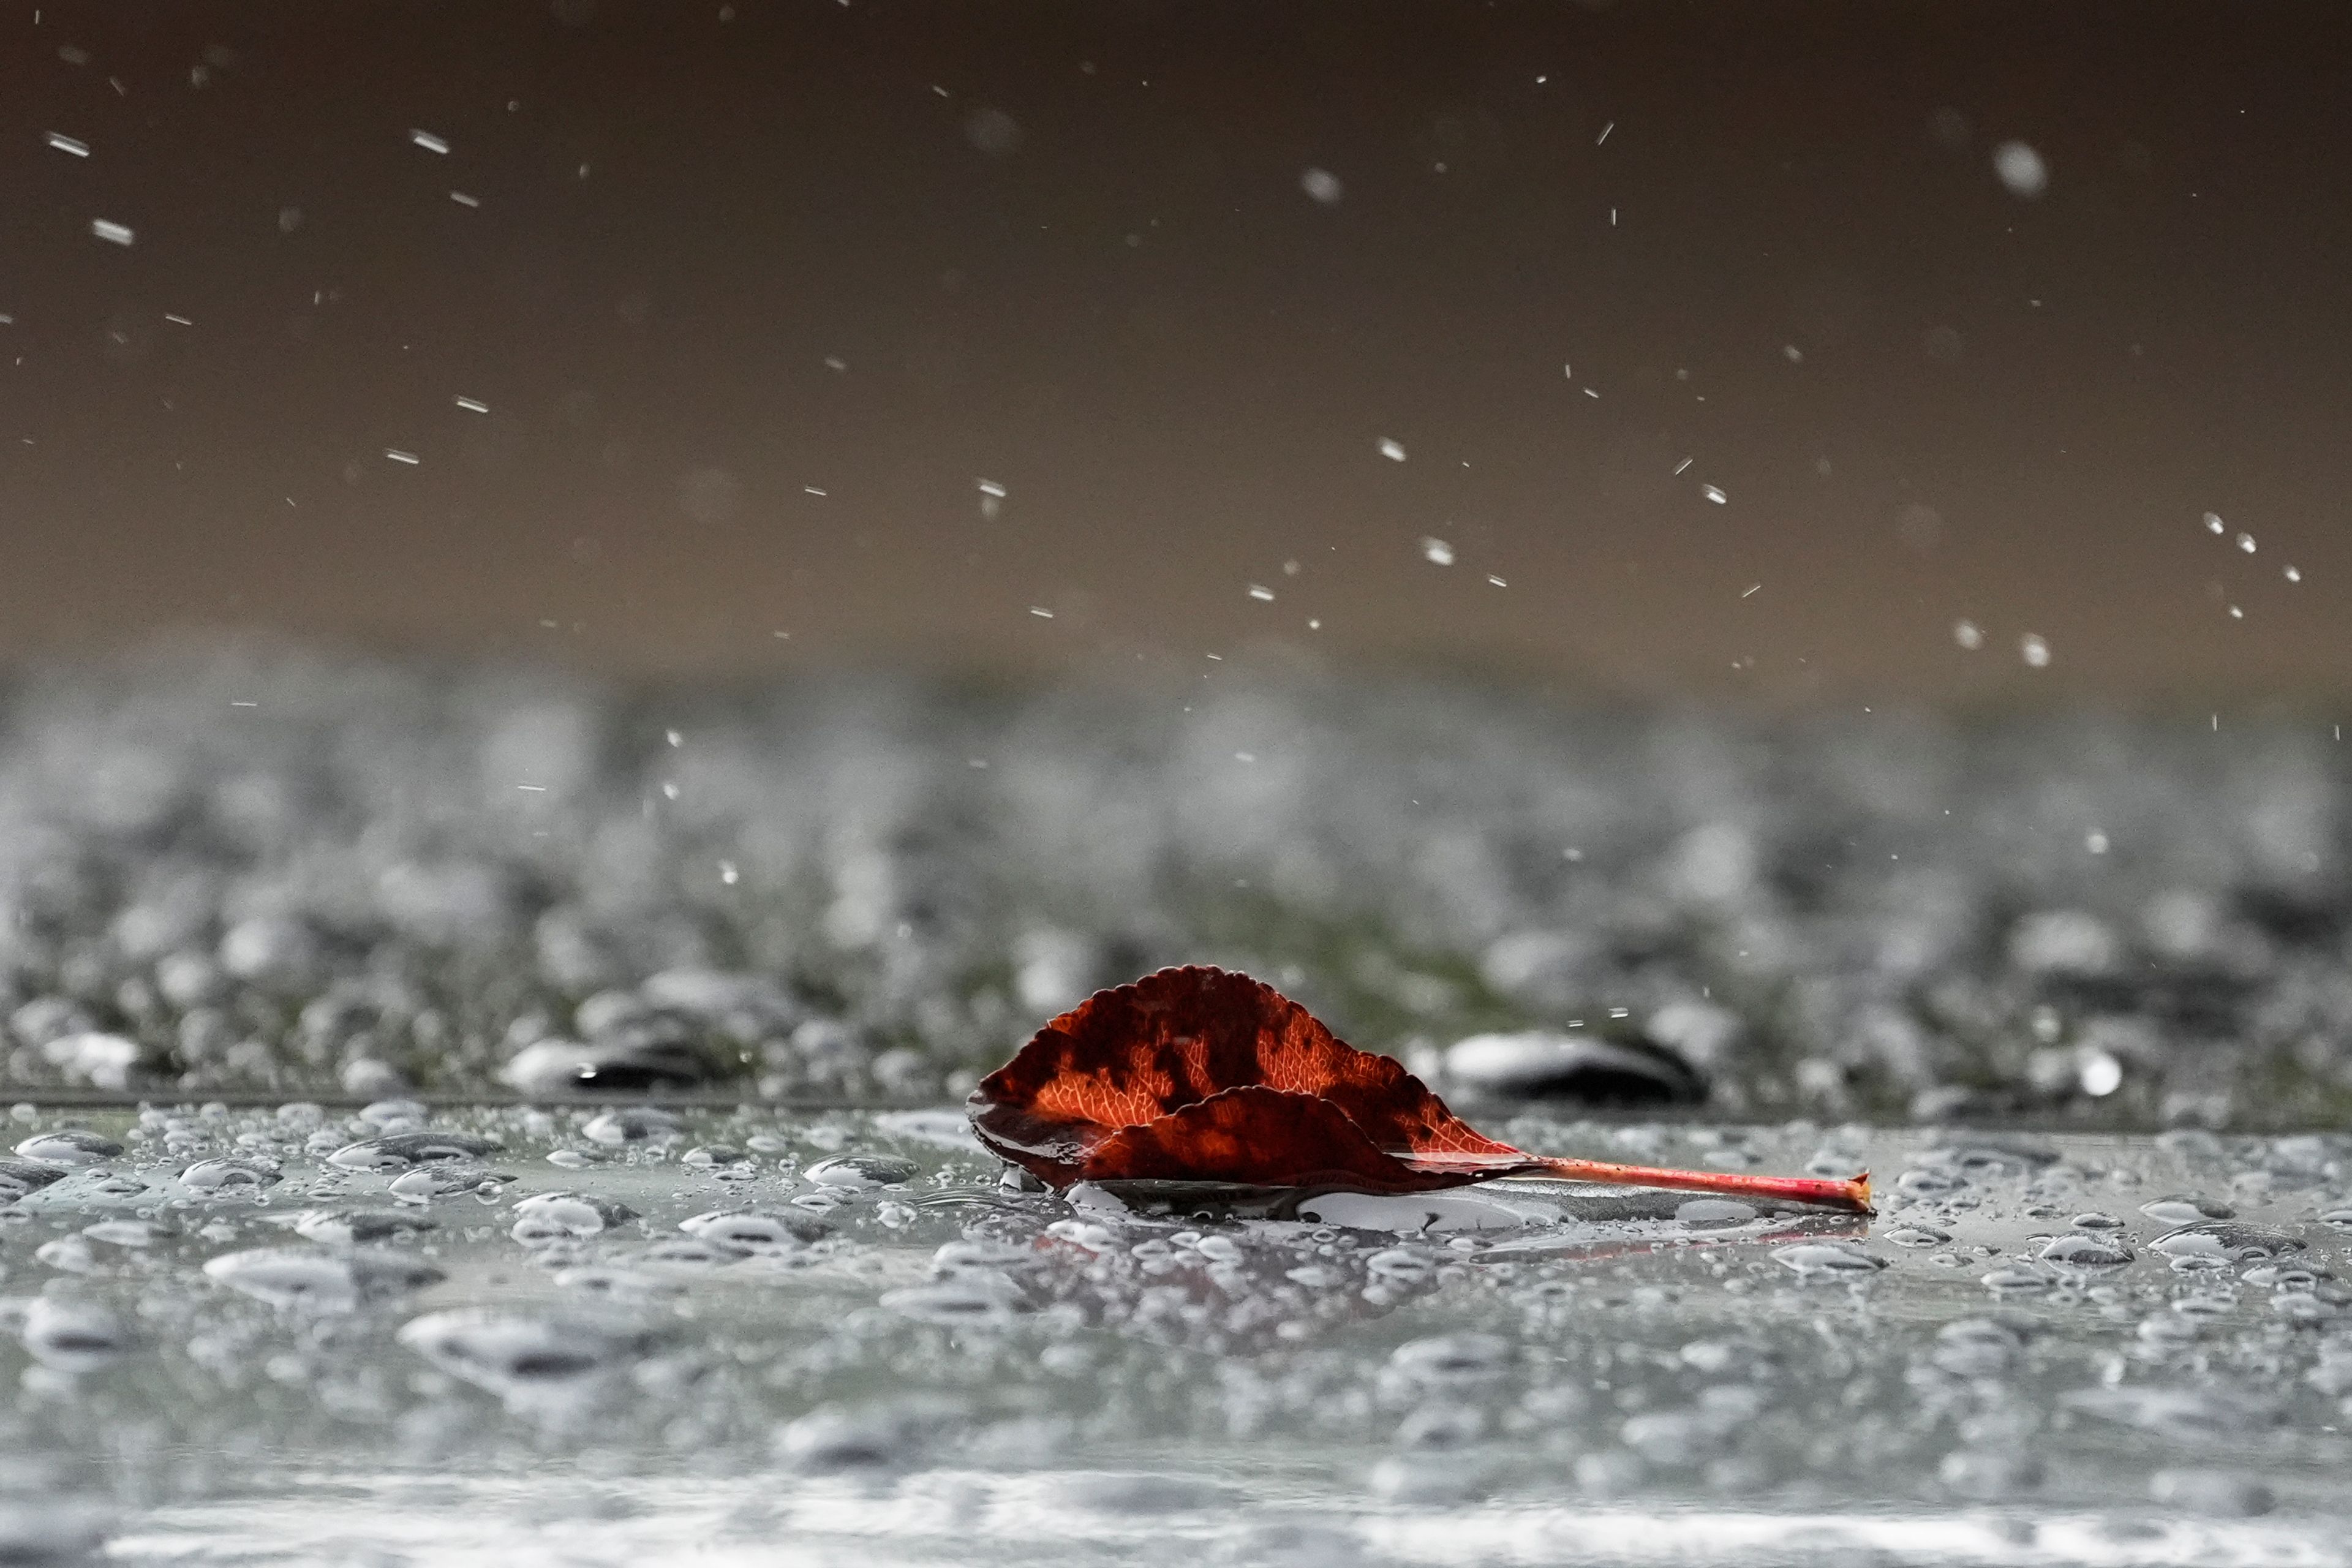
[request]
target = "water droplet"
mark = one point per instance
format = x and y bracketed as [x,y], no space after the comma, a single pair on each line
[562,1216]
[637,1124]
[861,1171]
[67,1254]
[2228,1241]
[1917,1236]
[860,1437]
[2084,1250]
[318,1279]
[751,1231]
[979,1253]
[530,1361]
[398,1150]
[345,1226]
[73,1336]
[438,1181]
[22,1178]
[2319,1304]
[2020,168]
[229,1173]
[1464,1360]
[1827,1260]
[2164,1332]
[1401,1265]
[1430,1480]
[2222,1493]
[132,1232]
[2012,1155]
[1977,1347]
[1442,1425]
[1992,1475]
[2018,1278]
[684,1252]
[68,1146]
[968,1296]
[619,1283]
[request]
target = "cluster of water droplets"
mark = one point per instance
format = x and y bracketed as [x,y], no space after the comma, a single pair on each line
[380,880]
[205,1302]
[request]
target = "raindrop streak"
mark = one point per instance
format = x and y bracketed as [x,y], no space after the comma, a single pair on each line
[1436,551]
[2034,650]
[111,232]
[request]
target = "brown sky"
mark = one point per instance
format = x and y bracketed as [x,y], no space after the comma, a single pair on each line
[1066,249]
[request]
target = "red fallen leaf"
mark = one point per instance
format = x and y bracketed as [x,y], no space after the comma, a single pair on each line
[1201,1075]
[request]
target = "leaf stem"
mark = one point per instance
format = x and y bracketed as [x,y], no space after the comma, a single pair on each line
[1831,1192]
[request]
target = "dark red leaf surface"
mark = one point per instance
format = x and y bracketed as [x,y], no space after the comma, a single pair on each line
[1201,1075]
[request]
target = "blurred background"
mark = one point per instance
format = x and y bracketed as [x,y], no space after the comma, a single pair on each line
[1725,351]
[1788,558]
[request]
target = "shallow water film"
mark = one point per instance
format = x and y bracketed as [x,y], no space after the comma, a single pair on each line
[610,1334]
